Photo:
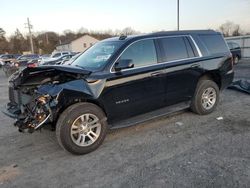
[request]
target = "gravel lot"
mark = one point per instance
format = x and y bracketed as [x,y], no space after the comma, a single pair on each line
[181,150]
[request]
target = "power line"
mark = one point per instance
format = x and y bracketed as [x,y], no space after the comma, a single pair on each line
[29,27]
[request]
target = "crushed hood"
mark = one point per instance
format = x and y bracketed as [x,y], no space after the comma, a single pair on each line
[41,74]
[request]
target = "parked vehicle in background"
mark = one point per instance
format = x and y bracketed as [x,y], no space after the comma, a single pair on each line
[5,58]
[17,55]
[1,63]
[59,54]
[10,68]
[23,60]
[120,82]
[45,55]
[53,57]
[33,63]
[235,50]
[70,61]
[58,61]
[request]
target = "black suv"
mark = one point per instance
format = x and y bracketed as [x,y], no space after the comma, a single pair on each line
[120,82]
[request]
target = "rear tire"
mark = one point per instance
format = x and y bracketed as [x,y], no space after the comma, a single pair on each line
[81,128]
[206,97]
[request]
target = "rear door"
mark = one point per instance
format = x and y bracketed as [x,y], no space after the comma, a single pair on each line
[182,67]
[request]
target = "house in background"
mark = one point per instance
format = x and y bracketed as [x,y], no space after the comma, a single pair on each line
[78,45]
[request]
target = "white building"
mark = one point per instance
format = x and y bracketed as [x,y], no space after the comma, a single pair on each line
[244,42]
[78,45]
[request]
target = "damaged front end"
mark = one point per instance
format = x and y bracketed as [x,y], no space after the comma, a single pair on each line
[34,93]
[31,116]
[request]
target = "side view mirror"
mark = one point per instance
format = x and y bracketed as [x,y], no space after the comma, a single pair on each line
[123,64]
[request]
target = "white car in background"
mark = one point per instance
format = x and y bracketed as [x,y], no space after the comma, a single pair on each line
[68,62]
[54,56]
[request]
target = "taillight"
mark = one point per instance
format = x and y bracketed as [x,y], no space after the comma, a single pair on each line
[32,65]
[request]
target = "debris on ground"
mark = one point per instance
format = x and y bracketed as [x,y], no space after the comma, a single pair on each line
[8,173]
[219,118]
[179,123]
[241,85]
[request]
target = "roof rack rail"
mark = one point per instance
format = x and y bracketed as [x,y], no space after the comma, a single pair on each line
[122,37]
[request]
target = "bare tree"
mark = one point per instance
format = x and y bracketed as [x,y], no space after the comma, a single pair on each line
[46,42]
[4,47]
[230,29]
[2,32]
[83,30]
[236,31]
[129,31]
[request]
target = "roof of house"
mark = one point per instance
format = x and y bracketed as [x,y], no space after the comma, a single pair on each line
[70,41]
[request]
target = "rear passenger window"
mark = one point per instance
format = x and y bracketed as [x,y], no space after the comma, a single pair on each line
[215,44]
[174,48]
[142,53]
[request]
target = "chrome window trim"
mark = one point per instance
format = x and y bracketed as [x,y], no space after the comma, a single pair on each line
[152,38]
[196,46]
[162,63]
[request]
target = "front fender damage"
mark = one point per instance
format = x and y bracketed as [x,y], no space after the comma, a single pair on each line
[35,117]
[50,98]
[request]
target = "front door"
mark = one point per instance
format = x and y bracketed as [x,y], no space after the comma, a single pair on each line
[136,90]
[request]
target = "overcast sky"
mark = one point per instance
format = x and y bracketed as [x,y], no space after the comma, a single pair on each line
[141,15]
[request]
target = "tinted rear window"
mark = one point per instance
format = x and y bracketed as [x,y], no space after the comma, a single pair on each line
[215,44]
[174,48]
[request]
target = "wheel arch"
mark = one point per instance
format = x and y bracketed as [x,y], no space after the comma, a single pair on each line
[212,75]
[75,100]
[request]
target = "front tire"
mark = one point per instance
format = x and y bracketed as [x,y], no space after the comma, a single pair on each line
[206,97]
[81,128]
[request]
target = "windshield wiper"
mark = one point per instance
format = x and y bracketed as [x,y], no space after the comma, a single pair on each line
[80,67]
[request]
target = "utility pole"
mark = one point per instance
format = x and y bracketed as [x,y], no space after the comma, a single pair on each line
[29,27]
[47,38]
[178,15]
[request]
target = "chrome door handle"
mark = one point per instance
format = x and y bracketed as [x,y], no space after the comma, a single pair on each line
[158,73]
[195,65]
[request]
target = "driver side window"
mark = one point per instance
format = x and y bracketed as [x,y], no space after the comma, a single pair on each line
[141,53]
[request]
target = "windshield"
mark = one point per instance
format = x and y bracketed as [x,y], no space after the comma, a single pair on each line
[97,56]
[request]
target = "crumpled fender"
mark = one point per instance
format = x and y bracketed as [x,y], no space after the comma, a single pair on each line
[66,94]
[74,86]
[75,89]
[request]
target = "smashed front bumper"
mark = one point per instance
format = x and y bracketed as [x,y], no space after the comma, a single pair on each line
[28,118]
[11,110]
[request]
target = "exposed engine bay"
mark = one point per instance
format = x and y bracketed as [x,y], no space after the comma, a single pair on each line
[34,94]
